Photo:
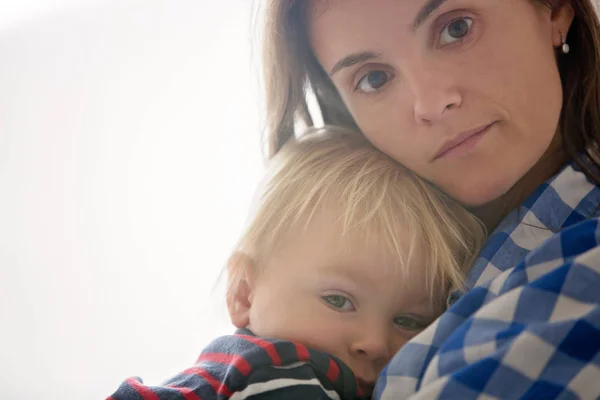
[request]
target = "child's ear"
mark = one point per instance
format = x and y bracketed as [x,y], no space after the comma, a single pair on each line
[241,268]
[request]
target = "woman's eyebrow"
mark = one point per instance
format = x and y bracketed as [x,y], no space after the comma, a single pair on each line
[351,60]
[426,11]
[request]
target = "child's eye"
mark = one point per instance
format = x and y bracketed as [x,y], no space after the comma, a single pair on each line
[408,323]
[455,30]
[372,81]
[339,302]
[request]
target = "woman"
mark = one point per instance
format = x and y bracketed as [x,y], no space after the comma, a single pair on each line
[496,102]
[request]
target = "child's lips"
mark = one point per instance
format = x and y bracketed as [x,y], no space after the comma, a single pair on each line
[366,387]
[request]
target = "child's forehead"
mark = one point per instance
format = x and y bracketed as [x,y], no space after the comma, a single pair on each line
[358,247]
[355,259]
[359,273]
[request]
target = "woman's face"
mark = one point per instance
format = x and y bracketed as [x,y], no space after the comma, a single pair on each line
[466,93]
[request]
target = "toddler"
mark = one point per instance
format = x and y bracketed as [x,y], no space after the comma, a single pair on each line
[347,256]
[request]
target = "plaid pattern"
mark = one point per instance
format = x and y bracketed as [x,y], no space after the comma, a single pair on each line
[529,327]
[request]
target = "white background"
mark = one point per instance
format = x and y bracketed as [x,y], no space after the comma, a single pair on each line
[129,150]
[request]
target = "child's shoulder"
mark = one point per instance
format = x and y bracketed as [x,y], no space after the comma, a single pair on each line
[243,354]
[244,350]
[253,367]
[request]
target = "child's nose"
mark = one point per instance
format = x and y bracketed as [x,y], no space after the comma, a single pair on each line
[373,346]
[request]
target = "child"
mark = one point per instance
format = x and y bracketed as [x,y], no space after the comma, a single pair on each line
[347,257]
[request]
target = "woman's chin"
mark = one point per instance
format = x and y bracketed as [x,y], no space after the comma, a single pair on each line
[480,195]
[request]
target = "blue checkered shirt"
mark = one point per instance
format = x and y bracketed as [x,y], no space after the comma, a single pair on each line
[529,327]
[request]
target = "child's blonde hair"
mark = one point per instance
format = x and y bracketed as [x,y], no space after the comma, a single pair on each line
[373,195]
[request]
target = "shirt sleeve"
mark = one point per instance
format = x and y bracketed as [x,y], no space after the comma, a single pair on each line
[532,332]
[295,382]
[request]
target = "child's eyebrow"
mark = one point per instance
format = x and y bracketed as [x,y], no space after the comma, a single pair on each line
[341,273]
[346,271]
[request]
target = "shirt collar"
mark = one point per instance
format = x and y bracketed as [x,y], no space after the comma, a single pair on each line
[566,199]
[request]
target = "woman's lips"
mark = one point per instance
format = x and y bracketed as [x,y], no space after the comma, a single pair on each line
[462,143]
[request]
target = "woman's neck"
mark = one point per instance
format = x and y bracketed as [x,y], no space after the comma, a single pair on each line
[492,213]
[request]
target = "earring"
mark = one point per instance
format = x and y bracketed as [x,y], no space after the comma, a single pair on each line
[565,46]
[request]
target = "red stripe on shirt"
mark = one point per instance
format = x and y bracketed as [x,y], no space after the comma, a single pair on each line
[359,391]
[142,390]
[217,386]
[234,360]
[302,352]
[265,345]
[333,370]
[187,393]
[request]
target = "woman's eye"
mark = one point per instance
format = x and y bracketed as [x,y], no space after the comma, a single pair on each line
[408,323]
[372,81]
[455,30]
[339,302]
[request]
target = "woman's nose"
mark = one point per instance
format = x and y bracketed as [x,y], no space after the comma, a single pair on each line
[435,92]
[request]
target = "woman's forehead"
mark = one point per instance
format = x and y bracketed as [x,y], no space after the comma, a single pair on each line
[342,28]
[339,27]
[406,13]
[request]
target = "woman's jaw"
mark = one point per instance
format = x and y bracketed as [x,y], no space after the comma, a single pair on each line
[464,100]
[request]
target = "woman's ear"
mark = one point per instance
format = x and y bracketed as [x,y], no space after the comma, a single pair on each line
[241,269]
[562,18]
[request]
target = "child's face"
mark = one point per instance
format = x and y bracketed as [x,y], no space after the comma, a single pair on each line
[349,301]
